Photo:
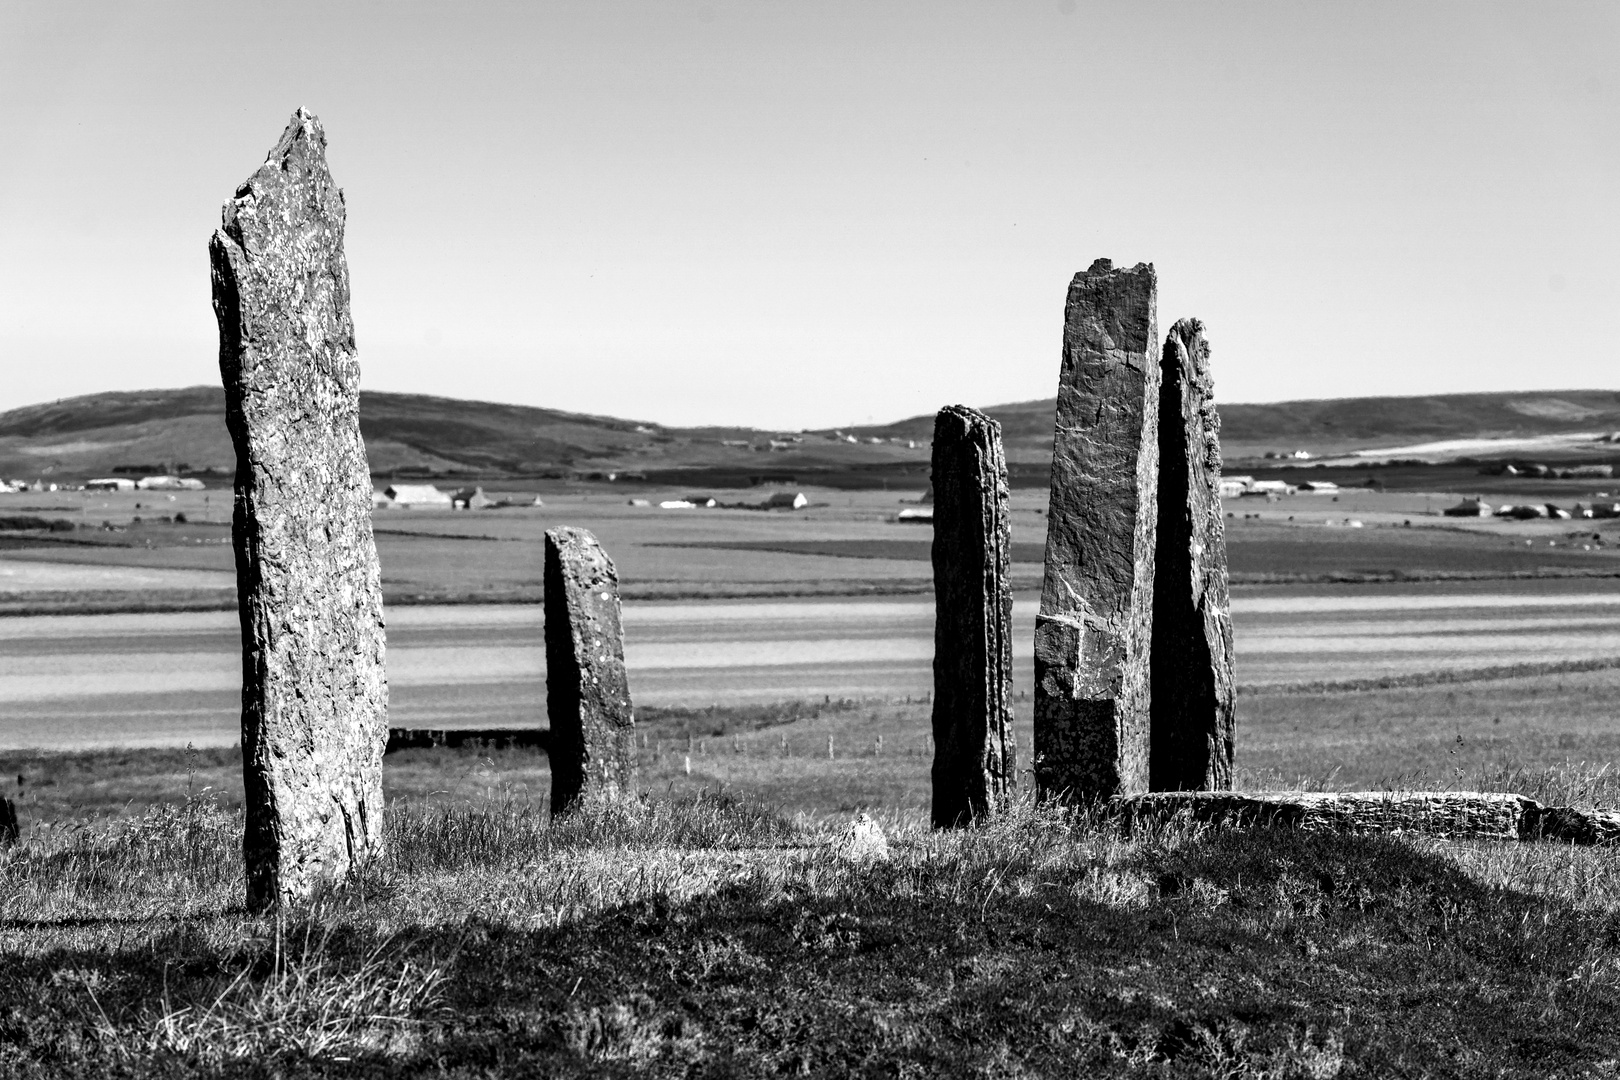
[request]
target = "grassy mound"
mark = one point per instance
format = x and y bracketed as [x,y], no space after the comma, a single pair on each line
[707,936]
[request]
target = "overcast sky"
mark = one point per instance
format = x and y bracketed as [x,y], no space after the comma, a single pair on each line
[796,213]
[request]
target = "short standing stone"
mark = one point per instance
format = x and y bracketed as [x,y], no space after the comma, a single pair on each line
[974,753]
[587,694]
[9,830]
[1093,633]
[314,693]
[1193,691]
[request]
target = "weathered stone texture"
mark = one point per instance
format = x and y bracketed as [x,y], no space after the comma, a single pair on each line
[1193,693]
[975,756]
[1450,814]
[1454,815]
[314,693]
[1094,629]
[587,694]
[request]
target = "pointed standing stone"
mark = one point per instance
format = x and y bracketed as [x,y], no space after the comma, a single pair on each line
[974,754]
[587,694]
[1193,691]
[314,693]
[1093,632]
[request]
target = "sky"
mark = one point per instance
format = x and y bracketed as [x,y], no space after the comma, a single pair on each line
[794,213]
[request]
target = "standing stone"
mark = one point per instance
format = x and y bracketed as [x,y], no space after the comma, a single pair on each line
[587,694]
[9,830]
[314,693]
[974,754]
[1093,632]
[1193,691]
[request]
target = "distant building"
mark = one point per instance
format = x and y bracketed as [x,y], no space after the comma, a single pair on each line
[1233,486]
[1269,488]
[411,496]
[702,502]
[923,515]
[110,483]
[168,483]
[1523,512]
[640,502]
[1319,487]
[1468,508]
[472,498]
[1557,512]
[786,500]
[677,504]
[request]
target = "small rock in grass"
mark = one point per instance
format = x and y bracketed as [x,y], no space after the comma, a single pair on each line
[863,839]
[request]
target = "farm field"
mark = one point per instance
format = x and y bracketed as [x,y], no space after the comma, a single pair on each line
[1550,736]
[845,544]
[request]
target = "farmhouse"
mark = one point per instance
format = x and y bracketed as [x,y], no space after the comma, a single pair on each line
[110,483]
[168,483]
[786,500]
[411,496]
[923,515]
[1233,486]
[1320,487]
[1468,508]
[472,498]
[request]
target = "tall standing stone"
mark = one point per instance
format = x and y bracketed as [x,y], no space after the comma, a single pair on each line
[975,756]
[314,693]
[1193,691]
[1093,633]
[587,694]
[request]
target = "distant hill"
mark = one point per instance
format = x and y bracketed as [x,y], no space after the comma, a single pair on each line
[1337,425]
[416,435]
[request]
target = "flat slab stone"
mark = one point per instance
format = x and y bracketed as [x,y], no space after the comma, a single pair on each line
[592,742]
[314,692]
[975,755]
[1093,632]
[1193,692]
[1453,815]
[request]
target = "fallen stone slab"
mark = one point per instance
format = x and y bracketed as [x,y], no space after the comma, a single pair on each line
[309,588]
[587,693]
[1450,815]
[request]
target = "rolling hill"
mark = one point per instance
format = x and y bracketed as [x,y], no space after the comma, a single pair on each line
[414,435]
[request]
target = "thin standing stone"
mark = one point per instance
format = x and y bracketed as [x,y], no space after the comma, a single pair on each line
[975,757]
[587,694]
[1193,690]
[1093,633]
[314,692]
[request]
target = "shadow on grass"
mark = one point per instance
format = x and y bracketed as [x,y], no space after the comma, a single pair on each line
[1055,952]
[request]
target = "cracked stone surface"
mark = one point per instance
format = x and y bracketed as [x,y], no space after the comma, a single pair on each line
[587,693]
[975,756]
[1193,693]
[314,690]
[1094,629]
